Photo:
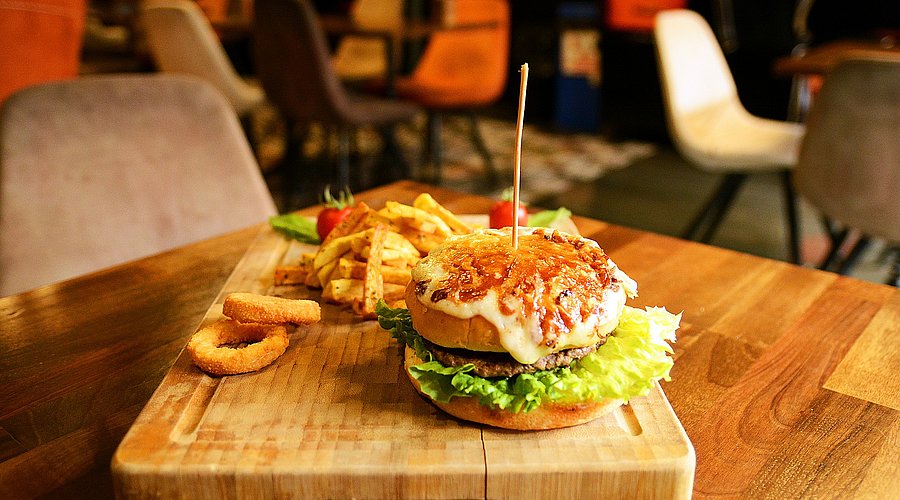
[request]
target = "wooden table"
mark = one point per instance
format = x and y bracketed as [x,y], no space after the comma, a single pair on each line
[785,380]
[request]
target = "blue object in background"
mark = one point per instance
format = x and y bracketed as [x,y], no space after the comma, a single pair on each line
[577,102]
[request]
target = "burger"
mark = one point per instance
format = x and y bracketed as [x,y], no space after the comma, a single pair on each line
[535,336]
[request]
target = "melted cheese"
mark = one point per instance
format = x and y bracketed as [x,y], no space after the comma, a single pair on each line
[517,320]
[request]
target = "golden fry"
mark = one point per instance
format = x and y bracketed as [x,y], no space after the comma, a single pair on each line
[352,223]
[291,275]
[335,248]
[312,280]
[345,290]
[326,272]
[415,217]
[373,284]
[425,202]
[423,242]
[348,268]
[369,255]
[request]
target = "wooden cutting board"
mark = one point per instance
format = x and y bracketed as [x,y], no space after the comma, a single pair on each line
[336,417]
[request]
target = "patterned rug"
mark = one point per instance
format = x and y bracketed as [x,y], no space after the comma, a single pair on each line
[551,162]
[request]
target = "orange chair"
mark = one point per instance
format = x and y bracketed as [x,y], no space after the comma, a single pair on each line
[41,41]
[462,69]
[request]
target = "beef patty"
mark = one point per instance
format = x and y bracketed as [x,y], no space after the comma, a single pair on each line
[501,364]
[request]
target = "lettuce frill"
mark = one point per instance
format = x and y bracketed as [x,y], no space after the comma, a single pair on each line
[634,356]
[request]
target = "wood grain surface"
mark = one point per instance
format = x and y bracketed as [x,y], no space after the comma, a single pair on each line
[336,417]
[783,375]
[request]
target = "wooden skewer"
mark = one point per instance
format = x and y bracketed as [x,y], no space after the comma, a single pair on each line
[517,171]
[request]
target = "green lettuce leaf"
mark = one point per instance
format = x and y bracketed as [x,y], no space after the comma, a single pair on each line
[633,357]
[547,218]
[295,226]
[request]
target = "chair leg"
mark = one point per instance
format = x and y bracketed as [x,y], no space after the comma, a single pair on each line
[838,237]
[478,141]
[709,217]
[291,160]
[433,147]
[894,274]
[793,226]
[343,159]
[853,256]
[393,153]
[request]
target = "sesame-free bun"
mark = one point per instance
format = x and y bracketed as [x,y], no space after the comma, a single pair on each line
[475,333]
[546,416]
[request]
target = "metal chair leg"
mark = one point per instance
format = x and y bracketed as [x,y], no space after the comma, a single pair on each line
[793,226]
[712,213]
[838,237]
[292,160]
[433,146]
[853,255]
[398,167]
[478,141]
[343,160]
[894,274]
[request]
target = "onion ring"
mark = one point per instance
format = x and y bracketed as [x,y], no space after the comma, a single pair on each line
[209,347]
[254,308]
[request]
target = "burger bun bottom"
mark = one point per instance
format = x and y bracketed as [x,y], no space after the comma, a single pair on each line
[546,416]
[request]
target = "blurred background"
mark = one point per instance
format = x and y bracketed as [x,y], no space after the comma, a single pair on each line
[596,139]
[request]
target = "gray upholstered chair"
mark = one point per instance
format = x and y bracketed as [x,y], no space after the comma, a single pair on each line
[849,164]
[101,170]
[294,66]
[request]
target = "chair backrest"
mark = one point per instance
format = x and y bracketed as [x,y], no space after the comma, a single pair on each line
[293,62]
[40,40]
[377,14]
[849,164]
[360,58]
[182,40]
[467,67]
[694,74]
[101,170]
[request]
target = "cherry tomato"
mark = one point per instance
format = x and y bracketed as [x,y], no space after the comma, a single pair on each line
[335,210]
[328,218]
[501,215]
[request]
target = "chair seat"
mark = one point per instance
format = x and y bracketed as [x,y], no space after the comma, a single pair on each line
[727,138]
[446,93]
[360,59]
[365,110]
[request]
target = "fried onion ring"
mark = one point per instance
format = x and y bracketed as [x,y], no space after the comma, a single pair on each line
[255,308]
[210,346]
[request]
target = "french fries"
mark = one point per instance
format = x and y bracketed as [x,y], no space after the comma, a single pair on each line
[373,283]
[370,254]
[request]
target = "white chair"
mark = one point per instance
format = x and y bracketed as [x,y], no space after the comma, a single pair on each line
[102,170]
[182,40]
[711,128]
[849,164]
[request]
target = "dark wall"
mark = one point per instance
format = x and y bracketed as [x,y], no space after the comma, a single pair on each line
[631,102]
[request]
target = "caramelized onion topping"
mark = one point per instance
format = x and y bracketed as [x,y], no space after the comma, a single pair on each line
[556,277]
